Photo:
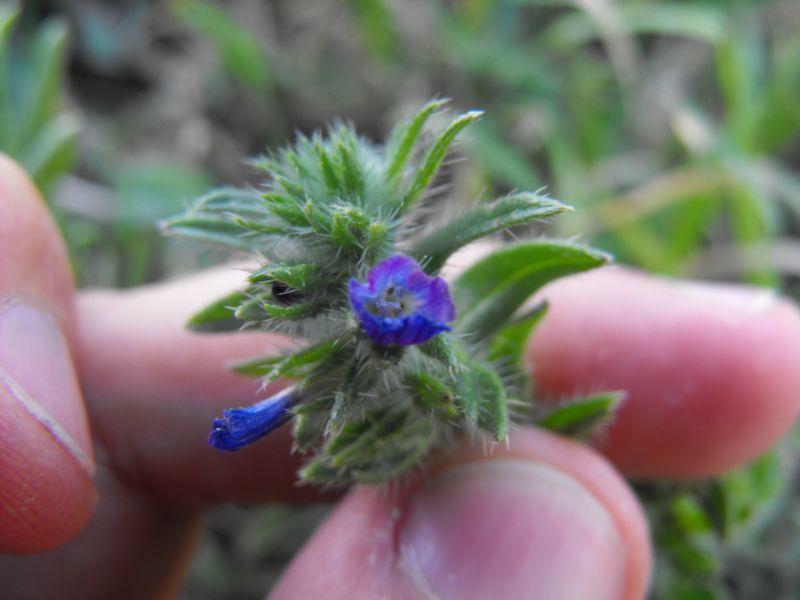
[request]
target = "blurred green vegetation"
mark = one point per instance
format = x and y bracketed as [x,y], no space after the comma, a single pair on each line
[31,128]
[672,126]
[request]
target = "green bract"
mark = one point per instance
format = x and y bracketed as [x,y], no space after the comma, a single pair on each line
[332,207]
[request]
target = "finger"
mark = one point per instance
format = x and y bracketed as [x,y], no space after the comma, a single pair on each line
[153,388]
[132,548]
[711,371]
[546,519]
[46,463]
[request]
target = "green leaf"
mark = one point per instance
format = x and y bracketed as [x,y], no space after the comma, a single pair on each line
[314,407]
[405,137]
[212,230]
[252,309]
[350,227]
[309,430]
[683,589]
[433,159]
[44,80]
[431,393]
[287,209]
[489,292]
[51,153]
[284,365]
[377,238]
[9,14]
[299,277]
[739,496]
[358,381]
[477,385]
[380,445]
[219,315]
[292,312]
[508,344]
[515,209]
[393,466]
[689,515]
[321,472]
[153,190]
[374,21]
[499,158]
[352,176]
[239,50]
[328,171]
[493,413]
[699,21]
[212,219]
[359,434]
[384,445]
[584,416]
[442,349]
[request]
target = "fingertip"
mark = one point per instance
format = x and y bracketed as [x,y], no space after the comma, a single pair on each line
[46,491]
[40,267]
[710,371]
[46,462]
[547,518]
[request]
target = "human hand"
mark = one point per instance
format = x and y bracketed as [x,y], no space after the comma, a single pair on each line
[712,380]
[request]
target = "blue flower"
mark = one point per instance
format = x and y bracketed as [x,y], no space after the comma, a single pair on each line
[240,427]
[400,305]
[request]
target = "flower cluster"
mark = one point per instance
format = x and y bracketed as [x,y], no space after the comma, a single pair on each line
[380,381]
[400,305]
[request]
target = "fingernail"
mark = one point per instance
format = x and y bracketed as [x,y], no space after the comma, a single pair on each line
[511,528]
[737,298]
[36,371]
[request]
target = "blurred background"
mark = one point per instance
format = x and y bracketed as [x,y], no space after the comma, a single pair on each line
[672,126]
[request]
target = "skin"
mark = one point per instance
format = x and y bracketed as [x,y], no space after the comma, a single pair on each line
[102,486]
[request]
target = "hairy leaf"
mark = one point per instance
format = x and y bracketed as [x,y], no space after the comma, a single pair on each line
[433,159]
[219,315]
[515,209]
[584,416]
[490,292]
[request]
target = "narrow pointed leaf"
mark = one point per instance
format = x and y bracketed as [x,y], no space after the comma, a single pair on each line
[328,172]
[491,291]
[284,365]
[8,18]
[441,349]
[352,176]
[219,315]
[515,209]
[309,430]
[435,156]
[212,219]
[52,152]
[584,416]
[431,393]
[477,384]
[357,436]
[407,137]
[240,51]
[508,344]
[299,276]
[43,87]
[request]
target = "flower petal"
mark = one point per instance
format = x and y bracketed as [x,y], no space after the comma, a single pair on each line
[240,427]
[376,306]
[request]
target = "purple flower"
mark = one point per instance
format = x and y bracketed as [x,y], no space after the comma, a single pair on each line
[400,305]
[240,427]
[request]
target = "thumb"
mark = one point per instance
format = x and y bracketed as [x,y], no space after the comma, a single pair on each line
[548,519]
[46,463]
